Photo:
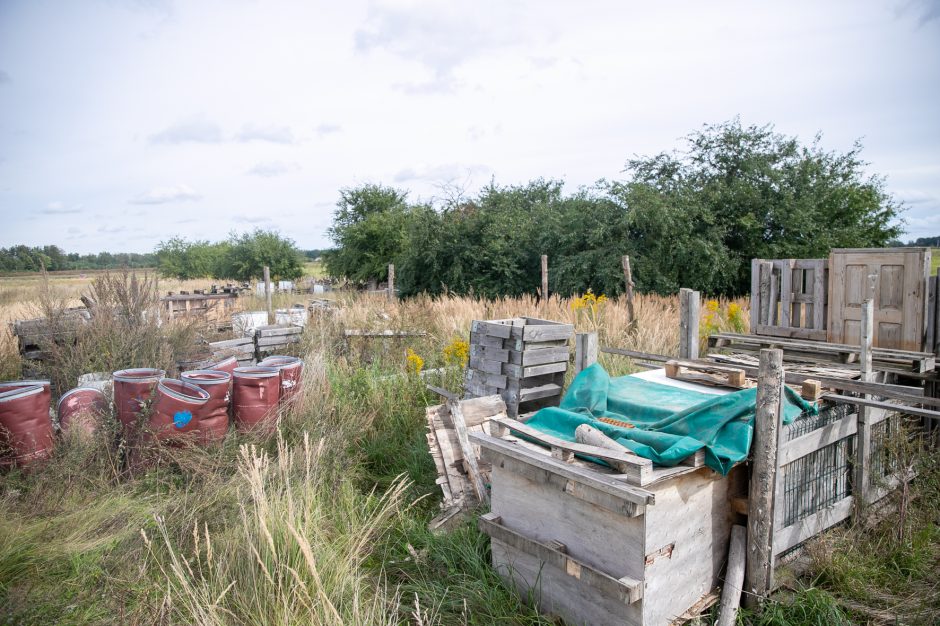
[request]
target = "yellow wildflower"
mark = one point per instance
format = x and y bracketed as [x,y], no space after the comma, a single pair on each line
[457,352]
[415,362]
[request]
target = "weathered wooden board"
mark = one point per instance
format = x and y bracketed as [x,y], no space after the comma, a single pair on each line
[900,295]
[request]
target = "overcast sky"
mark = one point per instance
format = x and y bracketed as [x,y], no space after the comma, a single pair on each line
[123,123]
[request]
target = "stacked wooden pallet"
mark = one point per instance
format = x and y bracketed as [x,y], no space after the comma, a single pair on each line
[817,351]
[243,349]
[276,338]
[522,359]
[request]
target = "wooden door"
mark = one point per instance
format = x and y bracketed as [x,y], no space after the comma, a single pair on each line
[896,278]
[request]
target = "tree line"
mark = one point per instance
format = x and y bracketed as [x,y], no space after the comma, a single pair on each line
[688,218]
[240,257]
[53,259]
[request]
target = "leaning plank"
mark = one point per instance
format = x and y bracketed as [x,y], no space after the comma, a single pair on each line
[637,470]
[786,538]
[734,577]
[626,589]
[469,455]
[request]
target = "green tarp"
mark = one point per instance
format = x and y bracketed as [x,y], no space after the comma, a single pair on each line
[670,423]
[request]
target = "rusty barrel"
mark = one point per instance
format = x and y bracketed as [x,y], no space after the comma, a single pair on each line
[176,407]
[291,370]
[213,418]
[133,389]
[26,435]
[225,365]
[82,409]
[255,395]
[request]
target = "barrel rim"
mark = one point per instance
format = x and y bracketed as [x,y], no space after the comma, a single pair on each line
[79,388]
[127,376]
[17,393]
[186,377]
[29,382]
[203,395]
[256,371]
[289,361]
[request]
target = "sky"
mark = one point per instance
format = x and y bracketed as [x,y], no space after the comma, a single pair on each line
[126,122]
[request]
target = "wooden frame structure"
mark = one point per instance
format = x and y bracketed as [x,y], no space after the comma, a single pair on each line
[789,298]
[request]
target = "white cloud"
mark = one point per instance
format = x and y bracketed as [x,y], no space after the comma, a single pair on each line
[328,129]
[57,207]
[193,130]
[166,195]
[272,134]
[269,169]
[448,173]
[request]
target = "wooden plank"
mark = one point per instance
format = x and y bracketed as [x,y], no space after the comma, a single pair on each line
[796,333]
[553,332]
[476,411]
[755,293]
[585,351]
[786,292]
[484,365]
[689,321]
[627,589]
[491,329]
[734,577]
[878,404]
[634,354]
[786,538]
[274,331]
[766,269]
[636,469]
[469,455]
[812,441]
[706,372]
[277,341]
[542,356]
[490,353]
[763,485]
[494,448]
[820,294]
[382,333]
[542,391]
[231,343]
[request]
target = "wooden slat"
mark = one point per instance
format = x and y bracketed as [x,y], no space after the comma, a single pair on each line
[628,590]
[553,332]
[755,292]
[636,469]
[493,447]
[810,334]
[659,358]
[786,292]
[786,538]
[878,404]
[810,442]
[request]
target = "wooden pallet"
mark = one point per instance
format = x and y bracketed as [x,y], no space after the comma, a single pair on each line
[820,351]
[707,373]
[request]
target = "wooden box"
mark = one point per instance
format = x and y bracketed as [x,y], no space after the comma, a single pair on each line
[522,359]
[583,543]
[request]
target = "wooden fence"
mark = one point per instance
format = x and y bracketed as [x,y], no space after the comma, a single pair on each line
[789,298]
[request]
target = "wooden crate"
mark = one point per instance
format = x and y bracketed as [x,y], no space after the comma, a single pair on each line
[522,359]
[584,544]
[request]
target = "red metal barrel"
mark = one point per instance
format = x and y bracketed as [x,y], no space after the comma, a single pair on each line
[26,435]
[213,418]
[19,384]
[291,370]
[82,409]
[255,397]
[175,409]
[225,365]
[133,389]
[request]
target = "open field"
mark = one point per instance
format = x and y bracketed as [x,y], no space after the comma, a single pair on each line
[327,523]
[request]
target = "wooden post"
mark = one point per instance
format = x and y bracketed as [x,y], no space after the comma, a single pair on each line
[585,351]
[689,313]
[766,272]
[391,281]
[267,294]
[734,577]
[863,433]
[759,572]
[469,454]
[628,292]
[544,278]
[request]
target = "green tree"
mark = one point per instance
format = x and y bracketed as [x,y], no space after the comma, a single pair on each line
[245,256]
[369,232]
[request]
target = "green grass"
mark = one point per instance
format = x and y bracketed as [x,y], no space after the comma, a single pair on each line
[934,261]
[315,269]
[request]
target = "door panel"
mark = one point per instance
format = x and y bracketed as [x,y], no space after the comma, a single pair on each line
[895,278]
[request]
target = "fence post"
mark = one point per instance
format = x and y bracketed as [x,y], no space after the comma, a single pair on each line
[628,292]
[863,433]
[585,351]
[269,306]
[759,571]
[391,281]
[544,278]
[689,313]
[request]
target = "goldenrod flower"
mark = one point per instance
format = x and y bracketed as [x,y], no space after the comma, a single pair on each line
[415,362]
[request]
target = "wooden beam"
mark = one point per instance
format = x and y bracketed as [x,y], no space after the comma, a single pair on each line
[760,519]
[879,404]
[628,293]
[585,351]
[734,577]
[544,278]
[689,314]
[863,434]
[634,354]
[269,306]
[469,454]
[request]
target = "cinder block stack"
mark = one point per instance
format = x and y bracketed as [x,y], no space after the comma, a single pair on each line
[522,359]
